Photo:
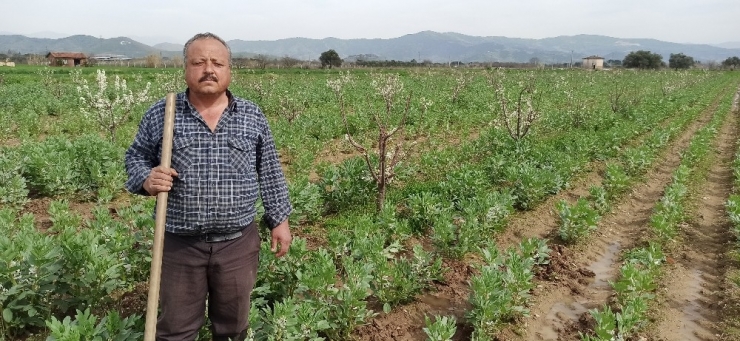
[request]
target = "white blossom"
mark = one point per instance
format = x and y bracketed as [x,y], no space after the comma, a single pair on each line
[109,108]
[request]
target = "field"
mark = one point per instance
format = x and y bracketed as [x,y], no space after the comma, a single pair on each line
[430,204]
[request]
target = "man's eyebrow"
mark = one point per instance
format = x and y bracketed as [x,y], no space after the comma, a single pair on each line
[204,58]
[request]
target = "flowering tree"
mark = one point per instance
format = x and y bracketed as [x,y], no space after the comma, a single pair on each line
[518,111]
[168,81]
[110,107]
[461,81]
[389,149]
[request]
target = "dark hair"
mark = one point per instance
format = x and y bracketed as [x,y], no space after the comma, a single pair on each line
[206,35]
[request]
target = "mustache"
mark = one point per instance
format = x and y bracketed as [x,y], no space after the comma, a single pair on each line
[208,78]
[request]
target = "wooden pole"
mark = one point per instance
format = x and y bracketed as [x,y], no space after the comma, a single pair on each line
[161,216]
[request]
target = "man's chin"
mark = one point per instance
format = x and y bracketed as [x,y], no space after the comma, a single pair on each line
[207,90]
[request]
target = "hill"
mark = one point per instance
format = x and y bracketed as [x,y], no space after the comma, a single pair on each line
[729,45]
[446,47]
[426,45]
[77,43]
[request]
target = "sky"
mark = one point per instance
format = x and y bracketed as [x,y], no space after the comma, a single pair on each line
[158,21]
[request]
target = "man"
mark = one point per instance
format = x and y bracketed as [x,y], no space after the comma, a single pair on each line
[223,154]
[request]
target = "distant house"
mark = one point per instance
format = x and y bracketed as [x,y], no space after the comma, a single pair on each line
[107,57]
[593,63]
[70,59]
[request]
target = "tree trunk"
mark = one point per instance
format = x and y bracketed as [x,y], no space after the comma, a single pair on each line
[380,199]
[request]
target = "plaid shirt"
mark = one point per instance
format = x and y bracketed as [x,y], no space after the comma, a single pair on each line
[220,172]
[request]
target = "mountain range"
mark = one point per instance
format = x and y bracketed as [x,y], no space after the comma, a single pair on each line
[426,45]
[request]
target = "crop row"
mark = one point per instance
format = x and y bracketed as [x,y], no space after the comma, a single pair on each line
[578,220]
[733,212]
[640,271]
[455,196]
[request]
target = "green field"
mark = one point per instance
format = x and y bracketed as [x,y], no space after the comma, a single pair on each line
[74,244]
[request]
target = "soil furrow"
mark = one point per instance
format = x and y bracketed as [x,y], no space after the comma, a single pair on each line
[692,285]
[559,310]
[450,298]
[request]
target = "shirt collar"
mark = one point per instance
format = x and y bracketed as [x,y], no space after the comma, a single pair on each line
[232,106]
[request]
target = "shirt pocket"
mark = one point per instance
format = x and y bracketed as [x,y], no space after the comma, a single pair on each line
[182,153]
[242,155]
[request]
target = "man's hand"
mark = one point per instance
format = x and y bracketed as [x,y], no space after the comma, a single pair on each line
[159,180]
[281,235]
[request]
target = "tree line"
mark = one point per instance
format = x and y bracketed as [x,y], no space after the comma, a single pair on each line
[637,59]
[647,60]
[641,59]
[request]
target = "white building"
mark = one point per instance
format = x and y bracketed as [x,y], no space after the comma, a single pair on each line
[593,63]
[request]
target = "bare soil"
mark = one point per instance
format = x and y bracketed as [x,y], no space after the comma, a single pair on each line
[39,207]
[448,298]
[693,287]
[12,142]
[561,313]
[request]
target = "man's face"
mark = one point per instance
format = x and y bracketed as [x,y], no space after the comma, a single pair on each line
[207,69]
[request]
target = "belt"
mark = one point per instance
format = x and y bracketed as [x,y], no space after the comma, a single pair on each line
[220,237]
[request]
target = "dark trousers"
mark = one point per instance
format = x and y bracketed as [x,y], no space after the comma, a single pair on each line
[224,273]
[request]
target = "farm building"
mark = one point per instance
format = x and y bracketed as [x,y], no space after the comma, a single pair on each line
[110,57]
[66,58]
[593,62]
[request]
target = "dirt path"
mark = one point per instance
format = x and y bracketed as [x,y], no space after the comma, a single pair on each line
[559,309]
[692,286]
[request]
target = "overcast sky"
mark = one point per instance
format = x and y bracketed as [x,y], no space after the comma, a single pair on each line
[155,21]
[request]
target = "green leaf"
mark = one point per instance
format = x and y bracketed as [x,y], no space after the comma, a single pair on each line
[323,324]
[7,315]
[386,308]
